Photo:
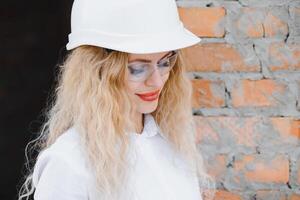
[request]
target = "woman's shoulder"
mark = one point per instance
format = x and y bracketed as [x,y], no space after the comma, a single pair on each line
[67,141]
[67,146]
[65,156]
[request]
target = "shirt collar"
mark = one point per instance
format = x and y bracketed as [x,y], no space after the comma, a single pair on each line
[150,127]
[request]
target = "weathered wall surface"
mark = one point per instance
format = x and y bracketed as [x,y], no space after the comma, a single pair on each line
[246,78]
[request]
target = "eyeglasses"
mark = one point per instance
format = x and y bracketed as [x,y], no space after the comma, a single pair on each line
[141,71]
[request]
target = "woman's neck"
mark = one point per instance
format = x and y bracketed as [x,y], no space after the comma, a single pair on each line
[139,119]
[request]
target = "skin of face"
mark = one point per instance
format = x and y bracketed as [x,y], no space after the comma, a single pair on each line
[154,82]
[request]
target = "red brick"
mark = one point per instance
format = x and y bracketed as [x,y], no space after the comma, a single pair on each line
[298,174]
[257,23]
[270,194]
[294,197]
[264,170]
[257,93]
[207,93]
[298,170]
[216,167]
[216,57]
[287,127]
[245,131]
[284,56]
[225,195]
[274,26]
[204,22]
[248,24]
[241,129]
[205,130]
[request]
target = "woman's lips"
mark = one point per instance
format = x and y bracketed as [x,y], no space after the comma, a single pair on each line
[151,96]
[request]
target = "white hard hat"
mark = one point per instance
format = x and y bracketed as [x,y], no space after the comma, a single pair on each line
[133,26]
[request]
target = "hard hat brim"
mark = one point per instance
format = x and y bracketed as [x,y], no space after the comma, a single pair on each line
[138,44]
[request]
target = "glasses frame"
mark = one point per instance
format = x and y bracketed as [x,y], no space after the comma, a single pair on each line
[155,67]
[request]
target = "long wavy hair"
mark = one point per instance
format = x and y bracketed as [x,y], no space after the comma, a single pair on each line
[91,95]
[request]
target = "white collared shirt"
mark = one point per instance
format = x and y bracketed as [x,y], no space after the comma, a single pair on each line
[158,173]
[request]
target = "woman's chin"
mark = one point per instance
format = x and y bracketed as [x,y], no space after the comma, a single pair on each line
[148,107]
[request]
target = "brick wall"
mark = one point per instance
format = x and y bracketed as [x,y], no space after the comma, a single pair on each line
[246,78]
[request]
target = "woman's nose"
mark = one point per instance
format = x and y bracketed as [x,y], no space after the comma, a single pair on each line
[155,79]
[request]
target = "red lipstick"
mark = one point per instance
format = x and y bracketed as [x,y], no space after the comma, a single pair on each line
[151,96]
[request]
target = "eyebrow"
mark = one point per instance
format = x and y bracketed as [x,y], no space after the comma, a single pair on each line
[149,61]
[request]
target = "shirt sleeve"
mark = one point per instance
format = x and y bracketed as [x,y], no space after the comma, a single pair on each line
[56,178]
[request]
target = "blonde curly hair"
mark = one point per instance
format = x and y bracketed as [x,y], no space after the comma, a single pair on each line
[91,94]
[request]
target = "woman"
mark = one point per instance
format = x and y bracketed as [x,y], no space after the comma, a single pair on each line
[120,125]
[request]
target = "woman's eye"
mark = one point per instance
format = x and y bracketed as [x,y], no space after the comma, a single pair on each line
[165,64]
[136,70]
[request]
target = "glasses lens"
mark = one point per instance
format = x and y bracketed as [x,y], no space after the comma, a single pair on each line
[168,63]
[139,72]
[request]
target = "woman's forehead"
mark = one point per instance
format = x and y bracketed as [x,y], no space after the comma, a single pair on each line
[149,57]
